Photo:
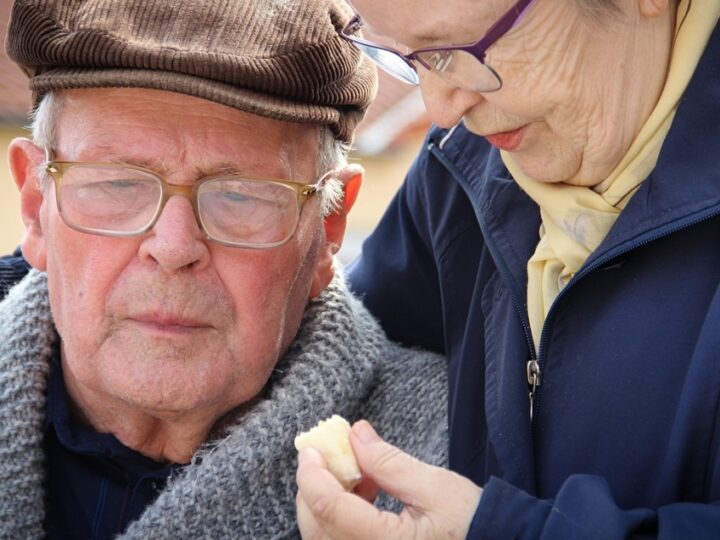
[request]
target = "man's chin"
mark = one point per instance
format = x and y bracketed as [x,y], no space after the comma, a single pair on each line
[166,379]
[168,401]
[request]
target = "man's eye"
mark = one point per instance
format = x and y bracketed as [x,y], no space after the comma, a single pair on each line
[234,196]
[122,183]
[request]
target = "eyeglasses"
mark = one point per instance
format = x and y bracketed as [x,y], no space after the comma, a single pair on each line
[110,199]
[462,65]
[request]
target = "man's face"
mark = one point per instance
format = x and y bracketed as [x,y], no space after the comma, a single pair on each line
[168,322]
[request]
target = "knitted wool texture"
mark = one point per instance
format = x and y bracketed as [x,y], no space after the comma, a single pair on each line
[241,484]
[282,59]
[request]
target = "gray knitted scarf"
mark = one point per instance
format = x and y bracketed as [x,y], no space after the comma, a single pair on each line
[241,483]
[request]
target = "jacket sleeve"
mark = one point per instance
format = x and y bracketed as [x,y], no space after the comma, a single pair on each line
[584,508]
[396,275]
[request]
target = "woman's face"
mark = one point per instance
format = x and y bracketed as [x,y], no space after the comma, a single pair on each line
[576,90]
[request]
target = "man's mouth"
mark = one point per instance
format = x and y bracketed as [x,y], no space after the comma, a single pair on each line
[166,323]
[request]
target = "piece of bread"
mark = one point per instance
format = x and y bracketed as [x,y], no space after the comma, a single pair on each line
[330,438]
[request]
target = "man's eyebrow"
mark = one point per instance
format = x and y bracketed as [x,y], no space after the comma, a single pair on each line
[159,167]
[136,161]
[162,166]
[227,169]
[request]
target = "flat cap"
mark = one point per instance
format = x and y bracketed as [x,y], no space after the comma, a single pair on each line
[281,59]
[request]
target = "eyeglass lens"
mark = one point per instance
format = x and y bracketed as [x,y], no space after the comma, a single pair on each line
[125,201]
[391,63]
[254,212]
[459,67]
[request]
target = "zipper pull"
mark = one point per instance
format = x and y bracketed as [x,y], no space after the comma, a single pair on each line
[532,369]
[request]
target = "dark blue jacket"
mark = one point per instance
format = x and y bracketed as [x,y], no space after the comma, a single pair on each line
[12,269]
[626,428]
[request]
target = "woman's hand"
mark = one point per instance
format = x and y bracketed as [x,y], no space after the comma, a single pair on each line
[438,502]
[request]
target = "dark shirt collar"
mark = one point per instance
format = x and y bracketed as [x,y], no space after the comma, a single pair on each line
[78,437]
[96,485]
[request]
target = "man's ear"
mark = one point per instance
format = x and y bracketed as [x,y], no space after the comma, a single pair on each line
[25,159]
[350,177]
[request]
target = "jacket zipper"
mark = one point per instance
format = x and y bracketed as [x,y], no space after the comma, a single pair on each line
[532,366]
[535,365]
[618,252]
[532,371]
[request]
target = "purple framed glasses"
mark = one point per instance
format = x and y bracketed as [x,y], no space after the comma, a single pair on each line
[462,65]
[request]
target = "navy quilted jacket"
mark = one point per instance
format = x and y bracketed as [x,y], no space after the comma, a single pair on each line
[625,437]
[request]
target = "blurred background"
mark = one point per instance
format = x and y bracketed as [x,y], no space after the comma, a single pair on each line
[385,144]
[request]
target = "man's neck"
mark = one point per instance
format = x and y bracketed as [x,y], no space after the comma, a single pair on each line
[164,436]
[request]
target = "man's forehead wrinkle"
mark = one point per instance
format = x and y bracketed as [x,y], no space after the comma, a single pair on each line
[219,145]
[292,153]
[170,165]
[73,135]
[286,162]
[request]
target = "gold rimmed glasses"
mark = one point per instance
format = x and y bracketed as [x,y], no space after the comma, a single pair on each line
[111,199]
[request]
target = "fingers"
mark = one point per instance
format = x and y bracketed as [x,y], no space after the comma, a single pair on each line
[326,511]
[446,498]
[309,527]
[367,489]
[400,475]
[312,473]
[438,502]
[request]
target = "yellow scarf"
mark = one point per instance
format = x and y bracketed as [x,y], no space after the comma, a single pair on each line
[575,219]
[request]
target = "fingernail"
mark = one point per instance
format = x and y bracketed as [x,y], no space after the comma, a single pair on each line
[308,455]
[365,433]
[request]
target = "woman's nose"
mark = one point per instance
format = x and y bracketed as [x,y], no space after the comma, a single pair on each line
[446,103]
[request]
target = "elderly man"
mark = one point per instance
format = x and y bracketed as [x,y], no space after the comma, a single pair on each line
[184,194]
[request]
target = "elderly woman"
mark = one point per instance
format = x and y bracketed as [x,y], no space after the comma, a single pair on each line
[558,239]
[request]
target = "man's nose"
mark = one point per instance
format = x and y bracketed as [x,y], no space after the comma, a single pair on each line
[176,241]
[446,103]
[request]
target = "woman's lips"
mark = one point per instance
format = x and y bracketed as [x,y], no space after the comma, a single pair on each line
[507,140]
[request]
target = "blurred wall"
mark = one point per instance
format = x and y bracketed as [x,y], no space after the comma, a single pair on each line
[383,175]
[11,227]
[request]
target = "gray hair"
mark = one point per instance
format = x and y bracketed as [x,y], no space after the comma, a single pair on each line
[332,153]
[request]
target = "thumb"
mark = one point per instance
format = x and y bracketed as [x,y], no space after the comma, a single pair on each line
[400,475]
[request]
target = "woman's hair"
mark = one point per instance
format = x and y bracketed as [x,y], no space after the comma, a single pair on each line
[331,156]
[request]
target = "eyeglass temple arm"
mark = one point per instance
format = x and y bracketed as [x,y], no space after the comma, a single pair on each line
[511,17]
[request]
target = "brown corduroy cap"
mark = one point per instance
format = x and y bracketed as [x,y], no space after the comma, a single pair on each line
[281,59]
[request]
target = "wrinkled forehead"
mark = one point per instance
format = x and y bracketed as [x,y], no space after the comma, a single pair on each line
[419,23]
[166,130]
